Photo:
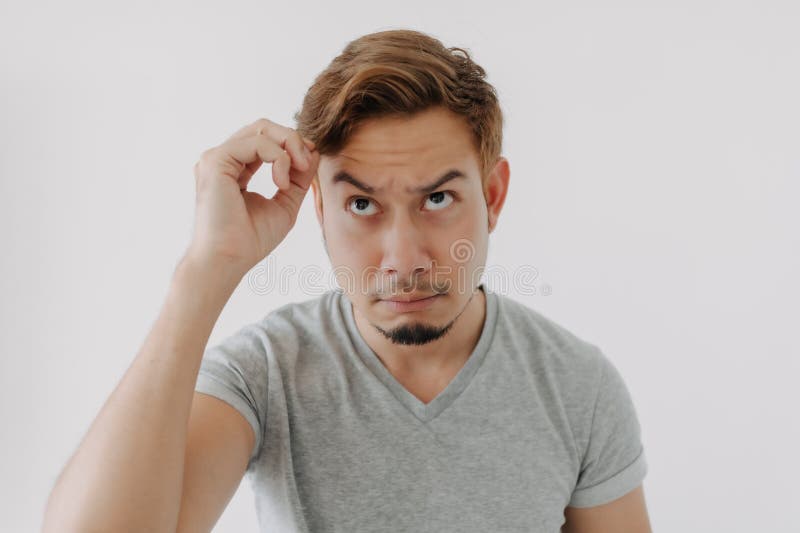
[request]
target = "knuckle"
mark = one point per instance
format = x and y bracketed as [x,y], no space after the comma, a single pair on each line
[262,125]
[228,166]
[262,140]
[207,157]
[264,146]
[214,162]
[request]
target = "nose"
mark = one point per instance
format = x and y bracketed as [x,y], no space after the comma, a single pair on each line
[405,253]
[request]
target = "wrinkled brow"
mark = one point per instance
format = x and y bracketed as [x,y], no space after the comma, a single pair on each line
[345,177]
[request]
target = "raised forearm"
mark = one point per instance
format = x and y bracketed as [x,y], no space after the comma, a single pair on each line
[126,475]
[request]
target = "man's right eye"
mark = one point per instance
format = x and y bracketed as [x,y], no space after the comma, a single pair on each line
[361,206]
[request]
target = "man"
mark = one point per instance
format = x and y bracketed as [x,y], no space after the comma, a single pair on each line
[412,399]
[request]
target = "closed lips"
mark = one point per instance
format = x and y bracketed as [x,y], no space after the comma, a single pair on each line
[409,299]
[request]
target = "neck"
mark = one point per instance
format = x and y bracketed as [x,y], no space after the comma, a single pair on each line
[454,348]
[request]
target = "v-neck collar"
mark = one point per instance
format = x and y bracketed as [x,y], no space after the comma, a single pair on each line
[424,412]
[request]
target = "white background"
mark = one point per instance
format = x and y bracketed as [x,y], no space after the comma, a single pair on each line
[654,187]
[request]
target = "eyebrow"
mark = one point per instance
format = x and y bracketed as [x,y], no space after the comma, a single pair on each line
[343,176]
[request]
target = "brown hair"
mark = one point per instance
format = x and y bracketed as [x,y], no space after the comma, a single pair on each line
[400,72]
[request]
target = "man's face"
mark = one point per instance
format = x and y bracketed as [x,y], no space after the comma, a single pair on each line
[392,232]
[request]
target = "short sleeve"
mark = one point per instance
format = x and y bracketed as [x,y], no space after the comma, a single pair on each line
[614,461]
[235,371]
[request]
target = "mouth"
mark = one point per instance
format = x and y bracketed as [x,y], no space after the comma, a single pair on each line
[409,303]
[409,298]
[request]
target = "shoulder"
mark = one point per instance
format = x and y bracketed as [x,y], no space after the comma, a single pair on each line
[287,328]
[568,372]
[313,312]
[523,324]
[553,350]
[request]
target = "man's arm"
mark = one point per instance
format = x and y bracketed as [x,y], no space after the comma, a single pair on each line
[127,473]
[627,514]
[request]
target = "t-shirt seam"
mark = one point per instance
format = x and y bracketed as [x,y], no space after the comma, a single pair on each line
[596,402]
[615,474]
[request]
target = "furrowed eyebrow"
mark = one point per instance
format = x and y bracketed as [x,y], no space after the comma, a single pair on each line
[449,175]
[343,176]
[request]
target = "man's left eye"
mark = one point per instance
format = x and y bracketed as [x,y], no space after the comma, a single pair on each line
[439,200]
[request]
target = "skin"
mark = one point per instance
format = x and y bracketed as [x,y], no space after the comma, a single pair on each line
[627,514]
[404,241]
[159,456]
[398,241]
[149,468]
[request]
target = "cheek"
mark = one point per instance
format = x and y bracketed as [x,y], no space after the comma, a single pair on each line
[466,243]
[347,247]
[470,223]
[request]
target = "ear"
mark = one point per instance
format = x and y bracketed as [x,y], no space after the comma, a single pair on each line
[495,191]
[317,199]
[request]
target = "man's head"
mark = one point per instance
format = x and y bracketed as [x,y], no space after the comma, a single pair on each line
[410,182]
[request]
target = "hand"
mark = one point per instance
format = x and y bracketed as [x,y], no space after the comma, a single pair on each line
[239,226]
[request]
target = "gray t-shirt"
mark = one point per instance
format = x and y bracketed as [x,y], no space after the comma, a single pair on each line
[536,420]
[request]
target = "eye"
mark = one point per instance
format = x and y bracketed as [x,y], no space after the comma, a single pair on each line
[439,199]
[359,206]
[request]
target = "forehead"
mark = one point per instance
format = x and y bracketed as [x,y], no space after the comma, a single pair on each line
[413,150]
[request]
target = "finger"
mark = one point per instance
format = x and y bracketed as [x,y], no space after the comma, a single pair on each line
[287,138]
[250,150]
[303,179]
[254,128]
[292,198]
[252,168]
[245,131]
[263,123]
[249,170]
[292,142]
